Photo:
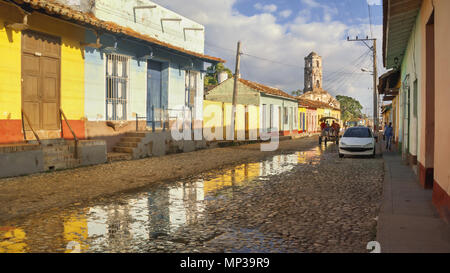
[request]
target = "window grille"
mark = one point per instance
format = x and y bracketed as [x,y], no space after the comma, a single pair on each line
[191,88]
[117,77]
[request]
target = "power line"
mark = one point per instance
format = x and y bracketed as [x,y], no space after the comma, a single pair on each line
[339,73]
[344,80]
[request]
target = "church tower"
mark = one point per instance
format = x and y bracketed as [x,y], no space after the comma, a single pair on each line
[313,72]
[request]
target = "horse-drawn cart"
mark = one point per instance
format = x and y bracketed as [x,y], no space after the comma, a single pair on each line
[329,133]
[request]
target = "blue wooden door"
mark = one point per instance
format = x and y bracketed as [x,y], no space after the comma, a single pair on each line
[154,93]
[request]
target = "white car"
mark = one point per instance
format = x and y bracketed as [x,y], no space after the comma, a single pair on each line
[357,141]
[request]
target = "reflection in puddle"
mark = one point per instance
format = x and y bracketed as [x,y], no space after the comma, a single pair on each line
[125,223]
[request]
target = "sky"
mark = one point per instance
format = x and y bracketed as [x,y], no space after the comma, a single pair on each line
[277,35]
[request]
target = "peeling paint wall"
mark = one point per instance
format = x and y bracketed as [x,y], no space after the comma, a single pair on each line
[152,21]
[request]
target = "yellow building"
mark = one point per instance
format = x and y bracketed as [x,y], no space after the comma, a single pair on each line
[42,71]
[302,119]
[217,118]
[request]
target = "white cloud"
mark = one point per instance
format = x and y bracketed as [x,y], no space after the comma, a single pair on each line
[311,3]
[265,8]
[285,13]
[288,43]
[328,11]
[374,2]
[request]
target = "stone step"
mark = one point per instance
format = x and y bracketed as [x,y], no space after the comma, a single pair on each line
[113,157]
[130,139]
[127,144]
[128,150]
[135,134]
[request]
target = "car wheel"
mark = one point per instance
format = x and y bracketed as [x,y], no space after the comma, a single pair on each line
[341,155]
[374,153]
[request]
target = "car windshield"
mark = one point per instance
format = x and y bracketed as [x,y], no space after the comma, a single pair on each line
[358,132]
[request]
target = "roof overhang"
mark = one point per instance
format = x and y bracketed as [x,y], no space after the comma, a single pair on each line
[388,82]
[276,96]
[88,20]
[399,17]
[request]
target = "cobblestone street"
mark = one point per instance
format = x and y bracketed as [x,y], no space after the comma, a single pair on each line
[304,201]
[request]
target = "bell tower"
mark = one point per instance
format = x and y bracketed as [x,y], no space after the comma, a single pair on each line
[313,72]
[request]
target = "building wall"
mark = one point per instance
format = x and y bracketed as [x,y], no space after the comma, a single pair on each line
[292,107]
[302,119]
[95,88]
[148,21]
[415,65]
[173,85]
[213,119]
[441,186]
[337,114]
[411,72]
[217,115]
[396,119]
[312,120]
[176,83]
[72,72]
[224,92]
[10,75]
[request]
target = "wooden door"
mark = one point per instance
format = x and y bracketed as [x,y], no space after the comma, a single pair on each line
[154,93]
[41,54]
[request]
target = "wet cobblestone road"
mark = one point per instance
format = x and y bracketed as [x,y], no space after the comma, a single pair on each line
[307,201]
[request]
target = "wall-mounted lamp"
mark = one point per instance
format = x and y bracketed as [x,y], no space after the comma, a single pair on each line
[111,48]
[147,56]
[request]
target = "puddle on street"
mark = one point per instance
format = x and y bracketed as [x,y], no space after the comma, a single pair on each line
[123,223]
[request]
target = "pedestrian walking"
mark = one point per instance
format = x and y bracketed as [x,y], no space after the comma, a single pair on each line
[388,135]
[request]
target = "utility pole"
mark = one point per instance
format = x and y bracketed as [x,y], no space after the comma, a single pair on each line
[375,77]
[235,89]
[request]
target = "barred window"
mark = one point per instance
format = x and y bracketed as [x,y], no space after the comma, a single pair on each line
[117,74]
[190,88]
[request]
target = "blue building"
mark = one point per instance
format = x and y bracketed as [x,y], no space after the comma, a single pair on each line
[144,68]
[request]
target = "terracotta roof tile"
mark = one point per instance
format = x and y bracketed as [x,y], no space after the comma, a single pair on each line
[53,8]
[314,104]
[267,89]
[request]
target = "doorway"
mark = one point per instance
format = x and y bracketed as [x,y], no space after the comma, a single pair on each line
[426,175]
[41,59]
[154,93]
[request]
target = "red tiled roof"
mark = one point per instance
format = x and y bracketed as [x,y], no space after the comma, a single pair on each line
[267,89]
[64,12]
[314,104]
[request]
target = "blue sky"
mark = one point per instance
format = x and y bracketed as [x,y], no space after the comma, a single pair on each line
[347,11]
[276,35]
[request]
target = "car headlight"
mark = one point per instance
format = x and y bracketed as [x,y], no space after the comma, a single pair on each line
[368,145]
[342,143]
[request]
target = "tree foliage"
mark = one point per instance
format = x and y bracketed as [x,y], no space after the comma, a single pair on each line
[212,74]
[297,93]
[350,108]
